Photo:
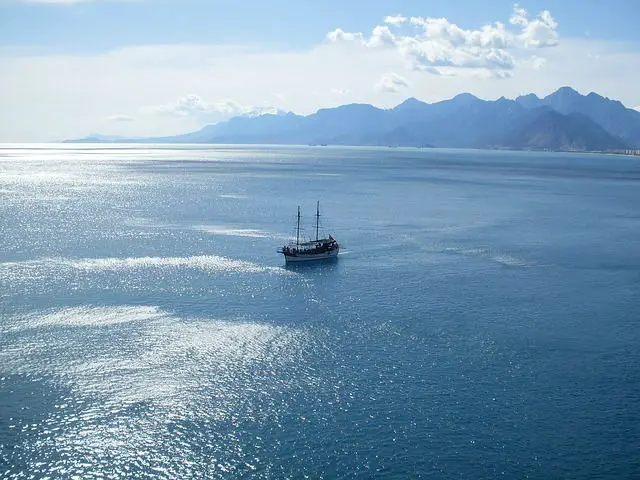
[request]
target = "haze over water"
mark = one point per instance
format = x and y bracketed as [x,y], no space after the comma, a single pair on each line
[482,321]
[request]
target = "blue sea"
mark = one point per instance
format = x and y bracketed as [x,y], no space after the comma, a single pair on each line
[482,320]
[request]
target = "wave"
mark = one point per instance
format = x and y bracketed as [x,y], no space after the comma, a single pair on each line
[86,316]
[498,256]
[236,196]
[22,274]
[236,232]
[213,263]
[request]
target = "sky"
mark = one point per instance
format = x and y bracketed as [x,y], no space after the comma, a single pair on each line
[137,68]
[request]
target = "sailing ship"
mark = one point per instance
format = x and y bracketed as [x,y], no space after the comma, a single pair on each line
[318,249]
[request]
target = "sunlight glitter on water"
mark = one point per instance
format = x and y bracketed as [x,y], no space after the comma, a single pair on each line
[88,316]
[133,396]
[210,263]
[202,262]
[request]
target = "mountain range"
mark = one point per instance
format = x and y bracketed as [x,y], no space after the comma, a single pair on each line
[563,120]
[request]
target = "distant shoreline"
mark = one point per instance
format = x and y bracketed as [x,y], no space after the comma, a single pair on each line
[626,153]
[618,152]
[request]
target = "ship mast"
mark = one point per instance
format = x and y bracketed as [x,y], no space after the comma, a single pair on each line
[317,218]
[298,229]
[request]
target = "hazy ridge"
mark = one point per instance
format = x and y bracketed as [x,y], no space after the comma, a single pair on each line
[563,120]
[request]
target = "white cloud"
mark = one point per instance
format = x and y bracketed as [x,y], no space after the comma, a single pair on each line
[537,62]
[381,37]
[188,105]
[395,20]
[338,35]
[444,48]
[193,105]
[391,83]
[536,33]
[121,118]
[257,111]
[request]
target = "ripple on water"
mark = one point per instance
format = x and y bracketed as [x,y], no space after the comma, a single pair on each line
[147,386]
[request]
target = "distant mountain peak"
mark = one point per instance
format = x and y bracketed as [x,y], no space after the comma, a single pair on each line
[465,96]
[463,100]
[529,101]
[410,103]
[565,92]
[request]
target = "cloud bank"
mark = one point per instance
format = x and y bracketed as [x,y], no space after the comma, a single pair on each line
[193,105]
[441,47]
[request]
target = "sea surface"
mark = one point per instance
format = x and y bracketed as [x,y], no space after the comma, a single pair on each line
[482,320]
